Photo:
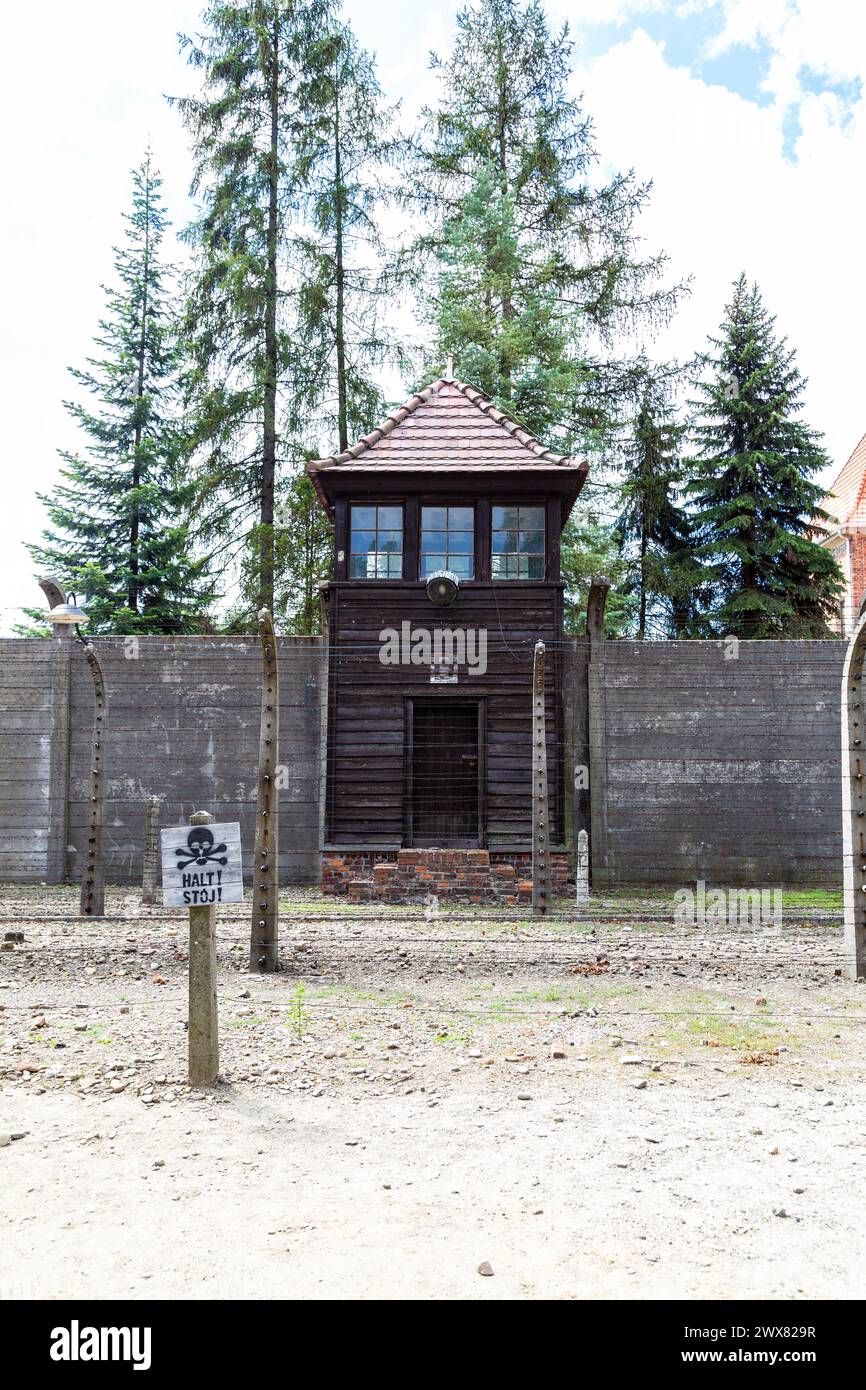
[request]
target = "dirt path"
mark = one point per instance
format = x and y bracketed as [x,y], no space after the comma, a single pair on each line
[421,1125]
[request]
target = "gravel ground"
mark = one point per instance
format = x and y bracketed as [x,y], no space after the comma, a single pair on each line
[607,1106]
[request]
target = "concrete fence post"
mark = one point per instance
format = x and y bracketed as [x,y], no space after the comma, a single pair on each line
[582,875]
[92,902]
[853,803]
[597,732]
[264,946]
[151,852]
[541,890]
[204,1058]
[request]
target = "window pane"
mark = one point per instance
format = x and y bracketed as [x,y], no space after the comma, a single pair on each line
[460,519]
[433,540]
[431,563]
[536,566]
[504,541]
[358,567]
[390,518]
[461,565]
[363,540]
[391,541]
[460,542]
[363,517]
[532,542]
[434,518]
[505,518]
[394,566]
[532,518]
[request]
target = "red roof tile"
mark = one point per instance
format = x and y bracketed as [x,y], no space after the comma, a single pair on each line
[447,426]
[846,498]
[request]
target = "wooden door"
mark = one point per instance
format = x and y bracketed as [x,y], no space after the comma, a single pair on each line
[444,788]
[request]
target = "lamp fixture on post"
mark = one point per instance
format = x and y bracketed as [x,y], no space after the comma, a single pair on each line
[92,903]
[442,588]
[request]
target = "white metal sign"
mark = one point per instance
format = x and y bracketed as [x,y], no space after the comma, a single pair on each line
[201,864]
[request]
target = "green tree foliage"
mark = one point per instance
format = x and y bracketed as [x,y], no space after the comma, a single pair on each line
[292,146]
[346,149]
[664,574]
[238,320]
[757,509]
[539,268]
[119,534]
[590,548]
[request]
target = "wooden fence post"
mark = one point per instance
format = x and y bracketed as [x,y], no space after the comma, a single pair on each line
[92,902]
[853,803]
[203,1040]
[264,946]
[582,874]
[541,894]
[151,852]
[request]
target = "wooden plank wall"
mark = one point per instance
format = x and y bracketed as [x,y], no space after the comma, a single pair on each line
[724,769]
[367,720]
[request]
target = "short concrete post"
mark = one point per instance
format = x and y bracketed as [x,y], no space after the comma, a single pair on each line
[203,1034]
[151,852]
[541,888]
[854,803]
[582,868]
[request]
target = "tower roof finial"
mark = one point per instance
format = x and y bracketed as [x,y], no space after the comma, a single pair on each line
[449,367]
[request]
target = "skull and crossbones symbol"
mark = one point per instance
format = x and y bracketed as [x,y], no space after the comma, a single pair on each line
[200,849]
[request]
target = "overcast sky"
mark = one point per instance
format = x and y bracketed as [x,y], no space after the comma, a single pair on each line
[748,115]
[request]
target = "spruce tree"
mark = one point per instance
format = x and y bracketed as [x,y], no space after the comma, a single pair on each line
[654,530]
[119,534]
[552,270]
[591,546]
[757,509]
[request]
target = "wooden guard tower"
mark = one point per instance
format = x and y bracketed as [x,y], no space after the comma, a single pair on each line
[447,521]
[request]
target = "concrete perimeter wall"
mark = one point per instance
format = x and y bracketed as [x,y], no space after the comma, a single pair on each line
[723,762]
[705,762]
[183,724]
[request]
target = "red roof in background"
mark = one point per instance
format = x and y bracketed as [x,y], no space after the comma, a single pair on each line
[845,500]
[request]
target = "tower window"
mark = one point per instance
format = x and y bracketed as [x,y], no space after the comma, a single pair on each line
[448,541]
[376,547]
[518,543]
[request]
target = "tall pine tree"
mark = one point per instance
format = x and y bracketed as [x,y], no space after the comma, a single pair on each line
[118,535]
[239,311]
[347,148]
[292,145]
[546,262]
[653,527]
[757,509]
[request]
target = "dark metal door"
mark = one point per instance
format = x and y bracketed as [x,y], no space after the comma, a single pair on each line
[445,780]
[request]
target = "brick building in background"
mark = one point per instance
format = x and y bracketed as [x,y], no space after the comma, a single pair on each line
[846,503]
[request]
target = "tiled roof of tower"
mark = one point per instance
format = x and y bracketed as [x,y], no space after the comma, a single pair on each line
[447,426]
[845,500]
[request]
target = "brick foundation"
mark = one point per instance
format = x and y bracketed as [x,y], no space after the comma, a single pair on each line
[458,875]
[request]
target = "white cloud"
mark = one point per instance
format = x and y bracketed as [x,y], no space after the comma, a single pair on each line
[726,198]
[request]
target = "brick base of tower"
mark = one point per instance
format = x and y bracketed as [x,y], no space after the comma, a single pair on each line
[455,875]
